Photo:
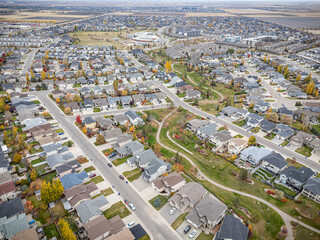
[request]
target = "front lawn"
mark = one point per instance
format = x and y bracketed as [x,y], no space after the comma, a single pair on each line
[203,236]
[95,180]
[270,136]
[285,143]
[120,161]
[305,151]
[51,231]
[163,199]
[239,123]
[60,130]
[89,169]
[179,220]
[238,136]
[39,160]
[117,209]
[105,192]
[133,174]
[96,110]
[255,130]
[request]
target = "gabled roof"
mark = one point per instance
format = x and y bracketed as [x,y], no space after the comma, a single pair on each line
[90,208]
[301,175]
[11,207]
[13,225]
[313,185]
[276,160]
[73,179]
[232,228]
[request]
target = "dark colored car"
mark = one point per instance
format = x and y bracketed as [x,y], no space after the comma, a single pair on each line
[126,202]
[187,229]
[122,177]
[109,164]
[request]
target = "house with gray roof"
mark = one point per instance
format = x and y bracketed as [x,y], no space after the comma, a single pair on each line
[294,177]
[228,111]
[4,161]
[312,189]
[207,131]
[254,155]
[253,119]
[274,162]
[131,148]
[90,209]
[267,126]
[194,124]
[10,226]
[59,159]
[232,228]
[220,138]
[73,179]
[208,213]
[100,103]
[11,208]
[193,94]
[121,119]
[261,107]
[188,196]
[105,123]
[283,131]
[69,167]
[134,118]
[111,135]
[301,138]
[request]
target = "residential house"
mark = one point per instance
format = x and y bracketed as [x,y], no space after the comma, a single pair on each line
[79,193]
[138,99]
[69,167]
[125,233]
[7,191]
[73,179]
[169,184]
[283,131]
[91,209]
[101,103]
[131,148]
[89,123]
[193,94]
[57,94]
[188,196]
[261,107]
[111,135]
[232,228]
[301,138]
[105,123]
[294,177]
[267,126]
[236,145]
[74,106]
[121,119]
[100,227]
[315,144]
[194,124]
[220,139]
[10,226]
[274,162]
[253,120]
[312,189]
[206,132]
[228,111]
[87,104]
[27,234]
[134,118]
[254,155]
[59,159]
[208,213]
[12,207]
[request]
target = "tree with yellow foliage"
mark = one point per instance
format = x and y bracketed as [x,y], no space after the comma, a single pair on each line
[27,77]
[310,88]
[31,73]
[43,75]
[65,230]
[121,61]
[168,66]
[298,78]
[84,130]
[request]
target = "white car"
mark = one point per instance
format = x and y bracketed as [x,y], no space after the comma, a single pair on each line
[130,224]
[132,206]
[172,211]
[192,234]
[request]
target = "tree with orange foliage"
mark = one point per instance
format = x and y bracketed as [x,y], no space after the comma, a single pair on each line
[177,167]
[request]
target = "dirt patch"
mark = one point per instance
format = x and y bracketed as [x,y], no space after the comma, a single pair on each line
[305,213]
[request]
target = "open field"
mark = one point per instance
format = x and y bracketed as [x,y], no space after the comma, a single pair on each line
[208,14]
[56,16]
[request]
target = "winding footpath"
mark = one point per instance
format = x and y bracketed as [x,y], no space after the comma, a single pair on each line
[286,218]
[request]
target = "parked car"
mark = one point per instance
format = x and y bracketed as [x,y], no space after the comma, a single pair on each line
[132,206]
[126,202]
[91,174]
[113,154]
[187,229]
[109,164]
[172,211]
[192,234]
[130,224]
[122,177]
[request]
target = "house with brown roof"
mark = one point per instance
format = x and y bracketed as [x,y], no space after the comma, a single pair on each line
[236,145]
[124,234]
[7,191]
[27,234]
[169,184]
[79,193]
[41,131]
[100,227]
[188,196]
[57,94]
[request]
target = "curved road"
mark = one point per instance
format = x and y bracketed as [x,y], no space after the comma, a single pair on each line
[286,218]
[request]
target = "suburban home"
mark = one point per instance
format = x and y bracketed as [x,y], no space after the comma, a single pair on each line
[73,179]
[7,191]
[315,144]
[59,159]
[91,209]
[27,234]
[54,148]
[302,138]
[228,111]
[138,99]
[274,162]
[57,94]
[208,213]
[121,119]
[261,107]
[283,131]
[253,119]
[193,94]
[89,123]
[134,118]
[169,184]
[194,124]
[294,177]
[79,193]
[87,104]
[12,207]
[10,226]
[125,233]
[232,228]
[101,227]
[101,103]
[69,167]
[105,123]
[236,145]
[312,189]
[111,135]
[207,131]
[267,126]
[131,148]
[188,196]
[220,139]
[74,106]
[254,155]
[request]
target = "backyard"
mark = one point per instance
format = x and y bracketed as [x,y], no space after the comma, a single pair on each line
[51,231]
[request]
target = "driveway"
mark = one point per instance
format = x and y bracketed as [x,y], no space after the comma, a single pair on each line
[165,213]
[140,184]
[186,236]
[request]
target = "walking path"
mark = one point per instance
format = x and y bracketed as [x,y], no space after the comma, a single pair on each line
[286,218]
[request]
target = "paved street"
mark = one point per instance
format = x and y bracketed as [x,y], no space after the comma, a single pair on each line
[28,62]
[313,165]
[156,226]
